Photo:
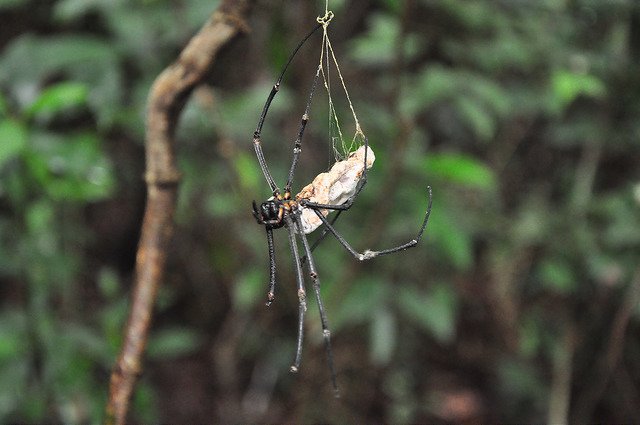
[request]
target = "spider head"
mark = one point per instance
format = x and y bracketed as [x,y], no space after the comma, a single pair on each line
[269,213]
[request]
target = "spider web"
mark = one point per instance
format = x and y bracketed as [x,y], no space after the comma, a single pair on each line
[341,147]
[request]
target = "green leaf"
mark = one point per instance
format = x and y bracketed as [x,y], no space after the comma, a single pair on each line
[71,168]
[13,139]
[59,97]
[461,169]
[380,42]
[508,49]
[477,100]
[76,54]
[173,342]
[435,311]
[379,45]
[432,85]
[567,86]
[78,58]
[557,276]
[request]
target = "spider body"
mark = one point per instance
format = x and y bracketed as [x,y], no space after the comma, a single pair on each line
[332,187]
[335,190]
[271,213]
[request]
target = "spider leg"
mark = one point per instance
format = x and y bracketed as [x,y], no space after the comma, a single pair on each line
[302,303]
[326,333]
[257,142]
[320,238]
[272,267]
[324,233]
[263,164]
[297,148]
[369,254]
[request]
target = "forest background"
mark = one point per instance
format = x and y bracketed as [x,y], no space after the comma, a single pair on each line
[519,305]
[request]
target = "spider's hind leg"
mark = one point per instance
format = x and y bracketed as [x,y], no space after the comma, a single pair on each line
[272,267]
[302,297]
[326,333]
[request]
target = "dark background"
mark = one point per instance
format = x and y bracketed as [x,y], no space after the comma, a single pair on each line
[519,305]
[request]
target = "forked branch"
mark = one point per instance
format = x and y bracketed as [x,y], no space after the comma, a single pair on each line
[166,99]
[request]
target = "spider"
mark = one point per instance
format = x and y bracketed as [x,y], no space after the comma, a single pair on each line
[302,214]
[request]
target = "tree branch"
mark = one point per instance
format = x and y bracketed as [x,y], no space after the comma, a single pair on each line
[167,97]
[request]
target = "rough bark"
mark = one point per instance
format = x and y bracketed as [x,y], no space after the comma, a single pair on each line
[166,99]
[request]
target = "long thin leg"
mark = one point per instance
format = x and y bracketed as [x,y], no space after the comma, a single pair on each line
[324,233]
[320,238]
[257,144]
[368,254]
[326,333]
[297,147]
[302,297]
[272,267]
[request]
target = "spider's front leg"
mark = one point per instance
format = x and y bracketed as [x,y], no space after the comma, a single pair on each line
[257,135]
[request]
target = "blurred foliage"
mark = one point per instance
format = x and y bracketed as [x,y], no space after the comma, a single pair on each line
[63,97]
[522,116]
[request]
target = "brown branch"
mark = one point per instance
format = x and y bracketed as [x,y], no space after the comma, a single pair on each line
[166,99]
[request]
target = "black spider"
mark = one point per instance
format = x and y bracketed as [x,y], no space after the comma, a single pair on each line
[283,210]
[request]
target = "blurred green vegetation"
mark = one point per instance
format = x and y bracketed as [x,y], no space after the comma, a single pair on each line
[522,116]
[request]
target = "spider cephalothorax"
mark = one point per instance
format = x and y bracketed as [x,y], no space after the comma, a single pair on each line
[334,190]
[271,212]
